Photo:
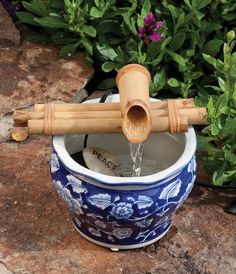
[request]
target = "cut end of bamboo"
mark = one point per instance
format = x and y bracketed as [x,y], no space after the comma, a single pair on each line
[136,123]
[20,118]
[132,67]
[19,134]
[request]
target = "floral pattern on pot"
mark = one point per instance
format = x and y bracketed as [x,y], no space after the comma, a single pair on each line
[121,216]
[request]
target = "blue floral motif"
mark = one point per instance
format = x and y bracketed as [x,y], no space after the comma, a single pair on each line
[171,190]
[94,232]
[100,200]
[64,193]
[144,202]
[55,166]
[122,233]
[122,210]
[192,166]
[100,224]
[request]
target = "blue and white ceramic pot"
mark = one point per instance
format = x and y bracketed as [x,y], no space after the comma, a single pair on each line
[124,212]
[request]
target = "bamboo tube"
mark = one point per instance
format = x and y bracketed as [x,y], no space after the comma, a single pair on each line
[62,126]
[180,103]
[21,117]
[194,115]
[82,126]
[133,84]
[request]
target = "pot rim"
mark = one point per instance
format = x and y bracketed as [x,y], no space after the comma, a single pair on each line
[159,177]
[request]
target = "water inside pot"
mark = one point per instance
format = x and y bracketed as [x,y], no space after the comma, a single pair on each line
[160,151]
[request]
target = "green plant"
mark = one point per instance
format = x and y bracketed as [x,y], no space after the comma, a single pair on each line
[217,143]
[107,31]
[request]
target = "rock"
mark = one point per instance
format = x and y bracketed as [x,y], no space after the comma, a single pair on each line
[101,161]
[4,270]
[6,125]
[38,74]
[9,35]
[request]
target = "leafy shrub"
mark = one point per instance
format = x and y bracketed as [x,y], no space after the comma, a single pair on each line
[107,30]
[217,144]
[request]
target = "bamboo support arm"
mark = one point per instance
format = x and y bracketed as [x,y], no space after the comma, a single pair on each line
[194,115]
[82,126]
[180,103]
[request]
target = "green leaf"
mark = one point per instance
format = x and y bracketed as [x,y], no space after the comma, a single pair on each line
[203,3]
[88,45]
[220,176]
[69,50]
[107,52]
[159,79]
[107,83]
[37,7]
[177,41]
[26,17]
[173,82]
[230,126]
[109,66]
[130,23]
[180,21]
[145,8]
[210,60]
[213,47]
[94,12]
[204,144]
[52,22]
[62,38]
[177,58]
[214,129]
[222,84]
[39,39]
[108,26]
[229,156]
[89,30]
[56,5]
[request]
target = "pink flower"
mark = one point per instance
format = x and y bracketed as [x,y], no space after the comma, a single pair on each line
[149,31]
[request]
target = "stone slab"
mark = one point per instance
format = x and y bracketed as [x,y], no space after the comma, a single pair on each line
[9,35]
[37,235]
[38,74]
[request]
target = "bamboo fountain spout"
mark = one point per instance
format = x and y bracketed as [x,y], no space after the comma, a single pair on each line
[133,84]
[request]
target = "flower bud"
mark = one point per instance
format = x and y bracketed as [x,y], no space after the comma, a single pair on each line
[230,36]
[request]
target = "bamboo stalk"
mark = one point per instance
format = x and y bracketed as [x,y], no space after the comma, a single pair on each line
[180,103]
[194,115]
[62,126]
[82,126]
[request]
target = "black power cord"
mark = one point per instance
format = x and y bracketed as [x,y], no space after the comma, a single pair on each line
[102,100]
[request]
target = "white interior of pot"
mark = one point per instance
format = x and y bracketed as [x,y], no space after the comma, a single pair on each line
[164,146]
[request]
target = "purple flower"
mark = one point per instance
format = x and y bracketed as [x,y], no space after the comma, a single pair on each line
[149,31]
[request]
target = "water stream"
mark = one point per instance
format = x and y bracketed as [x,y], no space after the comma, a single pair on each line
[136,153]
